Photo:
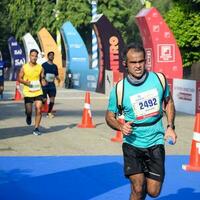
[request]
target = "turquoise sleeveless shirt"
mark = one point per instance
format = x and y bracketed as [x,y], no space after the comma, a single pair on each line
[142,104]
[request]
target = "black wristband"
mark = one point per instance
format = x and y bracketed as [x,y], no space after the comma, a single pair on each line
[171,126]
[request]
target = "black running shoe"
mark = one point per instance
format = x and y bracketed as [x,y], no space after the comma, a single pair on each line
[28,120]
[36,132]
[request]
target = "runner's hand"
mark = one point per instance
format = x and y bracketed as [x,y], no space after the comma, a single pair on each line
[126,128]
[43,82]
[170,133]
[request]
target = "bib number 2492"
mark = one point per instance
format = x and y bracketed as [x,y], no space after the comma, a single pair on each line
[148,103]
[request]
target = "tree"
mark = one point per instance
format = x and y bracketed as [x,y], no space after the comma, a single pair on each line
[117,12]
[30,16]
[78,13]
[5,29]
[184,21]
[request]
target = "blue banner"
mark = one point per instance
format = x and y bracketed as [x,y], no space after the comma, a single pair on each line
[78,60]
[1,71]
[17,57]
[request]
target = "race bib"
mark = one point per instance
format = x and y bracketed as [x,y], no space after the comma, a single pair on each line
[145,104]
[34,86]
[49,77]
[1,72]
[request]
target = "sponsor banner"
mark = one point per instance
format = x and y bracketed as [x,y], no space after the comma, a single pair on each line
[84,81]
[198,97]
[83,77]
[184,94]
[30,43]
[17,57]
[162,52]
[111,45]
[91,80]
[149,59]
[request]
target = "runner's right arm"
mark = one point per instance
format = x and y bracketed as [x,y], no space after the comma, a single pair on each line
[115,124]
[21,76]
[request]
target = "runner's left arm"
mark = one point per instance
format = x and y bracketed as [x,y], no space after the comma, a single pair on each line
[170,113]
[57,75]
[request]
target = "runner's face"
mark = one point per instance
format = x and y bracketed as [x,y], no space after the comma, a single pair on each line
[33,57]
[135,63]
[51,56]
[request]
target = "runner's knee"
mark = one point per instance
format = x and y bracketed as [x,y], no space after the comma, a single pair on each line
[137,189]
[153,192]
[38,110]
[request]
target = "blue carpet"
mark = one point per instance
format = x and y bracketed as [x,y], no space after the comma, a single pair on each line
[86,177]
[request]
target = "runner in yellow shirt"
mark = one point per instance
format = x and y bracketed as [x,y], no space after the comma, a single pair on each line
[32,76]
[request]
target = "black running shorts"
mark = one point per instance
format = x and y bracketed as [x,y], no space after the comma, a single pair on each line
[150,161]
[49,90]
[1,83]
[32,99]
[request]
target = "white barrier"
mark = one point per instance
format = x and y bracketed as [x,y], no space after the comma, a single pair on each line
[184,94]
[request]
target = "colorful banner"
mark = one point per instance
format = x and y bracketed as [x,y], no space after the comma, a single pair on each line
[110,45]
[30,43]
[17,57]
[162,52]
[48,44]
[83,77]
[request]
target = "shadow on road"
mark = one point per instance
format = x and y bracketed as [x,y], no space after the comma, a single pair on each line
[25,130]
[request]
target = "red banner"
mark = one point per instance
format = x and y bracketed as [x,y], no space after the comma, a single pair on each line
[162,52]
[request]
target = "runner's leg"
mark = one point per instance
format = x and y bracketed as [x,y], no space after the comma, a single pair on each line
[28,112]
[51,104]
[38,113]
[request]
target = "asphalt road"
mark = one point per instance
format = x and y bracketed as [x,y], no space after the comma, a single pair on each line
[61,136]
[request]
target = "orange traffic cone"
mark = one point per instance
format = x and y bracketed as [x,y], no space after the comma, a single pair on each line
[194,164]
[45,107]
[18,95]
[87,115]
[119,135]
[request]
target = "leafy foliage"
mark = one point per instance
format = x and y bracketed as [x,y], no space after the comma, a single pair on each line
[184,21]
[5,30]
[25,16]
[30,16]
